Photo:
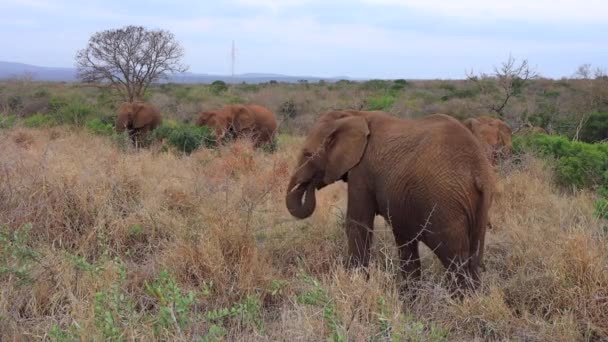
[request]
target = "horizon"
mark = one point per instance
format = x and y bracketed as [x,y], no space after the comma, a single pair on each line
[306,37]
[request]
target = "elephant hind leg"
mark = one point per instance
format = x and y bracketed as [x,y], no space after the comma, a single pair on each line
[451,245]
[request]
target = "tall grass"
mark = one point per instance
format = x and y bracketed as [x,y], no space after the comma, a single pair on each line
[100,243]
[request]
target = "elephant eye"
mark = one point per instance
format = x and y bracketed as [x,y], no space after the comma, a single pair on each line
[307,154]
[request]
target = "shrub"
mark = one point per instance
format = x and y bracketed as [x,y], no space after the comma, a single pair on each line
[184,137]
[596,128]
[39,120]
[98,126]
[74,113]
[376,85]
[382,102]
[288,109]
[7,121]
[578,164]
[218,87]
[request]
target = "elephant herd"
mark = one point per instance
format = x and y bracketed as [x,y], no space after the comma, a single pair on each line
[256,122]
[432,179]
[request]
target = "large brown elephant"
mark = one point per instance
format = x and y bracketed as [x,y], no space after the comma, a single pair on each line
[251,120]
[427,177]
[138,119]
[494,134]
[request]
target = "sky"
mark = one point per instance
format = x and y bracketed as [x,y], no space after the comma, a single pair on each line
[414,39]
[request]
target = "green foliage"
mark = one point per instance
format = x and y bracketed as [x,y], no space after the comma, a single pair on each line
[16,256]
[318,296]
[184,137]
[97,126]
[408,329]
[188,138]
[288,109]
[376,85]
[601,205]
[596,128]
[218,87]
[39,120]
[455,92]
[113,309]
[381,102]
[64,335]
[73,113]
[173,304]
[247,312]
[41,93]
[577,164]
[7,121]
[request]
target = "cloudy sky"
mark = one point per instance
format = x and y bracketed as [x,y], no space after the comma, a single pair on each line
[357,38]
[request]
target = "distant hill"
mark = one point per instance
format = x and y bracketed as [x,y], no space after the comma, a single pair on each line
[11,70]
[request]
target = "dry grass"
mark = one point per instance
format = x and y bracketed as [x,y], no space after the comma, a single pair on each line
[106,223]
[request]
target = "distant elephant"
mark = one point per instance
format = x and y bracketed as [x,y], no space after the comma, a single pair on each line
[241,120]
[427,177]
[494,134]
[138,118]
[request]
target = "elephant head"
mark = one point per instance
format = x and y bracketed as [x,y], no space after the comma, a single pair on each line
[217,121]
[128,117]
[332,148]
[495,134]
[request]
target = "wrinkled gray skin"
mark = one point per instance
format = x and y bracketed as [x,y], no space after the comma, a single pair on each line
[427,177]
[138,119]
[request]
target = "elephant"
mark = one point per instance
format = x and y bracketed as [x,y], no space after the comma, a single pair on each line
[241,120]
[494,134]
[138,118]
[427,177]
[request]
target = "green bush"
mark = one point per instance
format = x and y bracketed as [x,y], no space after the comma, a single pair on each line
[73,113]
[184,137]
[39,120]
[7,121]
[98,126]
[382,102]
[376,85]
[218,87]
[596,128]
[577,164]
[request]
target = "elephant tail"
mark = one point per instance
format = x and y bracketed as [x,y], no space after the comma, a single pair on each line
[477,230]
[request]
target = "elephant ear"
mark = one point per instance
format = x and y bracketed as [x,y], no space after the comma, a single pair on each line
[345,146]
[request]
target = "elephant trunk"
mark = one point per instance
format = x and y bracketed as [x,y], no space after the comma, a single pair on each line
[293,199]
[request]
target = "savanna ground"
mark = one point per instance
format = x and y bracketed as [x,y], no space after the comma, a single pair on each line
[102,241]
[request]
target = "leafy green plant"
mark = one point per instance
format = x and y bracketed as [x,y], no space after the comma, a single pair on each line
[73,112]
[577,164]
[114,309]
[318,296]
[187,138]
[39,120]
[174,305]
[596,128]
[246,311]
[16,256]
[7,121]
[97,126]
[218,87]
[382,102]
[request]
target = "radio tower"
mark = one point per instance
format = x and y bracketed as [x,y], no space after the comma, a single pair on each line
[233,58]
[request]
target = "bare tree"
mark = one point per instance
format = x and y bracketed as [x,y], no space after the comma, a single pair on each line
[593,96]
[506,82]
[130,59]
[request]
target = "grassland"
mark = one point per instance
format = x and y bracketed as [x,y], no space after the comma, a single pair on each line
[101,241]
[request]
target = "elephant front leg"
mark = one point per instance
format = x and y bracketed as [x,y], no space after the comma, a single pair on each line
[359,226]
